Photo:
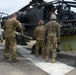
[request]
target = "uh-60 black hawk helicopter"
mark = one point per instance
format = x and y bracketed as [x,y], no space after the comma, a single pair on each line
[37,10]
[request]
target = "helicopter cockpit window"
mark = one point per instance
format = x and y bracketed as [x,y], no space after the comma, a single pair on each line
[46,15]
[73,9]
[47,10]
[63,9]
[73,13]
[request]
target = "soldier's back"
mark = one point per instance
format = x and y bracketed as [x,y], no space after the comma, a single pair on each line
[9,28]
[52,27]
[40,33]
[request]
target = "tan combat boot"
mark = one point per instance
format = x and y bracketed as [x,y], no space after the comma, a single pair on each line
[14,60]
[37,54]
[43,56]
[53,60]
[47,58]
[13,57]
[6,56]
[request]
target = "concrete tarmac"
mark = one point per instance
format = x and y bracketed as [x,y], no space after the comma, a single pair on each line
[21,67]
[24,66]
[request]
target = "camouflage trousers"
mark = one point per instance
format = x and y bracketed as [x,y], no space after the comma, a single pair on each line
[40,43]
[10,44]
[51,45]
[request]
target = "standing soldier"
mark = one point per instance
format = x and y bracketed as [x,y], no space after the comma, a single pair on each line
[10,37]
[53,36]
[39,35]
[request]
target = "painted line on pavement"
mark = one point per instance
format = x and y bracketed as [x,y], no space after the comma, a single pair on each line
[57,68]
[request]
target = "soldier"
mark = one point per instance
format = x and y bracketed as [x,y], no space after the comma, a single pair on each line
[10,37]
[53,36]
[39,35]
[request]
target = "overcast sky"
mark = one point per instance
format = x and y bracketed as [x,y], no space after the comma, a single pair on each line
[11,6]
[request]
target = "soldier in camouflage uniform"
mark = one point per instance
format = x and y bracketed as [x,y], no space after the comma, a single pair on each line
[53,36]
[10,37]
[39,35]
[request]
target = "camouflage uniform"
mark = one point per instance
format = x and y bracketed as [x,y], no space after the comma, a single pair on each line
[10,37]
[39,35]
[53,36]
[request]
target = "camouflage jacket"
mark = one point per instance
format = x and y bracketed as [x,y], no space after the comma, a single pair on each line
[53,29]
[39,33]
[10,26]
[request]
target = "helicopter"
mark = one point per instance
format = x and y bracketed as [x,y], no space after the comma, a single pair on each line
[37,10]
[30,20]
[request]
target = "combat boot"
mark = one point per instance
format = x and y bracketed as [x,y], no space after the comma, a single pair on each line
[37,55]
[53,60]
[47,58]
[13,59]
[6,56]
[43,53]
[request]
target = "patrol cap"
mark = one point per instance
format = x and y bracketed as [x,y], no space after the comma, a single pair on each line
[53,17]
